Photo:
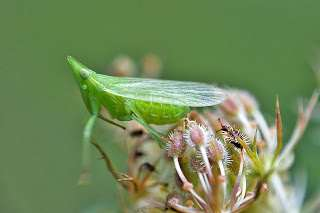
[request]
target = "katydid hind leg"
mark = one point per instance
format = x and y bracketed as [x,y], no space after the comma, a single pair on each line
[154,133]
[86,156]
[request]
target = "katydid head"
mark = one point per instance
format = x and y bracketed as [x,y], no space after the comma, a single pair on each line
[83,77]
[80,72]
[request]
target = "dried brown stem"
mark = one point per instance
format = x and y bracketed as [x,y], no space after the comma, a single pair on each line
[110,165]
[278,124]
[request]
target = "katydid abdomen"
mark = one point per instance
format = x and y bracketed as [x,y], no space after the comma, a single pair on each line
[152,113]
[157,113]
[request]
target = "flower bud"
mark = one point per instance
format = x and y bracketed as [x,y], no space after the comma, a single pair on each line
[151,65]
[123,66]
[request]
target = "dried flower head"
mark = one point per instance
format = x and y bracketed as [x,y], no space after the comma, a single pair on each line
[222,172]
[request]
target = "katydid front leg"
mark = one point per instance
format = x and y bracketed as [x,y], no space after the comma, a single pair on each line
[86,141]
[86,155]
[94,107]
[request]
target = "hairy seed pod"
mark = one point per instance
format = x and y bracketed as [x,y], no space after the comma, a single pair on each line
[197,134]
[216,150]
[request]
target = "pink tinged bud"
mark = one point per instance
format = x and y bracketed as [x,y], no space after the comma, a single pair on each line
[123,66]
[196,134]
[175,146]
[151,65]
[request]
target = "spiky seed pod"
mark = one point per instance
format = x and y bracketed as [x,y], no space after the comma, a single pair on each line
[197,134]
[216,150]
[227,160]
[176,145]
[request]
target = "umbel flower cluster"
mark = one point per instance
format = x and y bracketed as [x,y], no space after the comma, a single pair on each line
[226,159]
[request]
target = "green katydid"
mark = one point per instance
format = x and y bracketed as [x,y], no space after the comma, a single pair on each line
[148,101]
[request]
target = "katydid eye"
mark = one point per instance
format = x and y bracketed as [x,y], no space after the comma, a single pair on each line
[84,73]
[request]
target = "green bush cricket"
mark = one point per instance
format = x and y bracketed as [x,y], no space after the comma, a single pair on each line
[148,101]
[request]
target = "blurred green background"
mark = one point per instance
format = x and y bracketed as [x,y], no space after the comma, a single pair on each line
[261,46]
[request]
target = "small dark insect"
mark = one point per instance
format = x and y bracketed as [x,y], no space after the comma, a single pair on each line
[234,142]
[231,134]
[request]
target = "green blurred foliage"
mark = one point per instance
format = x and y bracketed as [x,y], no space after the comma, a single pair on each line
[262,46]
